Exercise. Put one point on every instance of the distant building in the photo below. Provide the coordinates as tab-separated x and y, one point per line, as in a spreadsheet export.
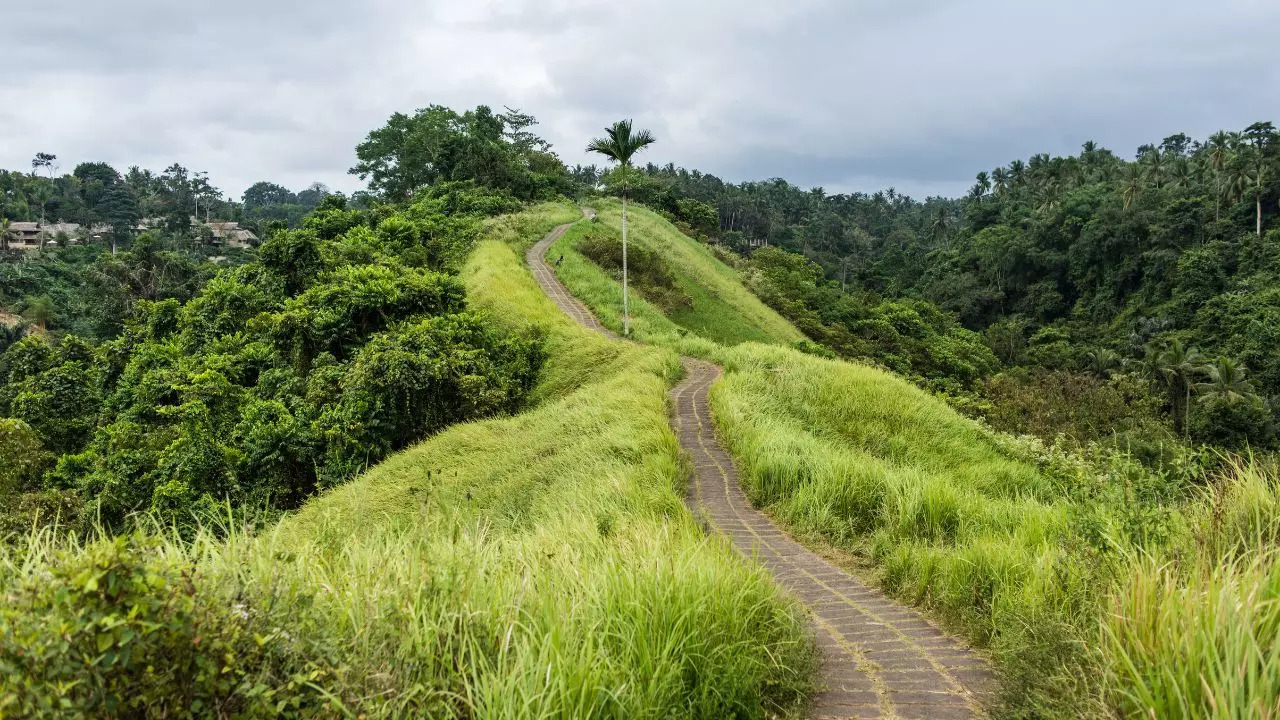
231	234
24	235
27	235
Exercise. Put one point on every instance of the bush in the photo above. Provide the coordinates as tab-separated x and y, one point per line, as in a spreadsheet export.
117	629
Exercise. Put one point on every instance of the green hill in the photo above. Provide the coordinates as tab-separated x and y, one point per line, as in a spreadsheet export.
533	566
696	297
1031	551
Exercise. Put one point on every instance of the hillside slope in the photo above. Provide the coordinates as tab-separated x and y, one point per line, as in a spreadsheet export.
560	534
952	517
534	566
705	299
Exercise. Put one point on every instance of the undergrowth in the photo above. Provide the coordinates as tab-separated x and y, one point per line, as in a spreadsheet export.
535	566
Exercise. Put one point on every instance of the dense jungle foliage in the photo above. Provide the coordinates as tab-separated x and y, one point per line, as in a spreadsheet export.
1148	287
136	375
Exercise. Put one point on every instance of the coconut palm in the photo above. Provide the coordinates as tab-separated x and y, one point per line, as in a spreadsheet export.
620	145
1180	172
1218	155
982	186
1101	362
1132	184
1017	172
1179	365
1000	178
1156	165
1227	384
6	233
1245	176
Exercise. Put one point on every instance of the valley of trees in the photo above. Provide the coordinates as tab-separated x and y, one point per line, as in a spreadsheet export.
1150	287
138	376
1126	312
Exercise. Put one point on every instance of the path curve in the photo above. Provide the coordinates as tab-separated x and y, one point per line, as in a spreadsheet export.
880	659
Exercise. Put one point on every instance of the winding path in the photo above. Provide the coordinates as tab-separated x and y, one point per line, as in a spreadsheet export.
880	659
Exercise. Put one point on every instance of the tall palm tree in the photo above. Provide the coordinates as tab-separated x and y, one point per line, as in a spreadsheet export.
620	144
940	225
1000	178
1218	155
1180	172
982	185
42	194
1245	175
1227	383
1132	184
1155	162
1179	365
1257	173
6	233
1017	172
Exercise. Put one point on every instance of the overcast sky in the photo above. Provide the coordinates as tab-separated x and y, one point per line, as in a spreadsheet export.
846	94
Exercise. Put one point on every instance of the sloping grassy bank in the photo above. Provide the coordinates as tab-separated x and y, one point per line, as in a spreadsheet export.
1101	589
874	465
537	566
714	305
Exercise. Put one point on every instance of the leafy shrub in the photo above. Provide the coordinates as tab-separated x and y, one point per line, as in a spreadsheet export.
341	344
117	629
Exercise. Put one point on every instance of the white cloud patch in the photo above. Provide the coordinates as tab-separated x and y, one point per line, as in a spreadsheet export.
849	95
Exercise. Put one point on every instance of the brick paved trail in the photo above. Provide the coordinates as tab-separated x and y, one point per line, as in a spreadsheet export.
879	658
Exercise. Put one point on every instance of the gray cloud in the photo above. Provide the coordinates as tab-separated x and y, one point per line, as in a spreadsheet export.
920	94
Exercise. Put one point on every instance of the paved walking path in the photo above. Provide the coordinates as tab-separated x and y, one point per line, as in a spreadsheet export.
879	658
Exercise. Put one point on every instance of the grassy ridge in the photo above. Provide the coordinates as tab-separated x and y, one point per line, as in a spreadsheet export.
721	309
1103	591
876	466
537	566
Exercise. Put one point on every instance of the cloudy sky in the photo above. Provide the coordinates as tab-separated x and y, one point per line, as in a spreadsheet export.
847	94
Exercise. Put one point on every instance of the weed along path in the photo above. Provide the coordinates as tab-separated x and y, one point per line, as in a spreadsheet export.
880	659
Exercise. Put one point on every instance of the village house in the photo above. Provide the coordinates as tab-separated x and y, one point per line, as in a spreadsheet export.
231	234
27	235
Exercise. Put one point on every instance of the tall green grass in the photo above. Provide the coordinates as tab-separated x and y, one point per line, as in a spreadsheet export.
1199	637
870	463
1102	590
536	566
720	310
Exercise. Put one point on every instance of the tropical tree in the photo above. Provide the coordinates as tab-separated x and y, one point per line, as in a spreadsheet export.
40	311
1132	185
42	194
1000	178
1101	362
1264	139
1218	155
1180	172
982	186
1227	384
1156	166
1178	366
620	144
6	234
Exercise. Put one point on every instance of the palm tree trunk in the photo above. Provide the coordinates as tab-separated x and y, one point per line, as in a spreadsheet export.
1217	206
626	309
1186	410
1258	201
